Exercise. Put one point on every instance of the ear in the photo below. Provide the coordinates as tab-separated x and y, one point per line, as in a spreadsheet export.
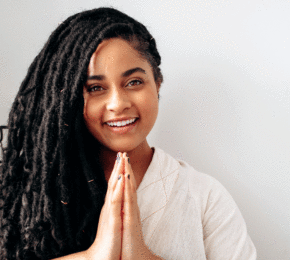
158	85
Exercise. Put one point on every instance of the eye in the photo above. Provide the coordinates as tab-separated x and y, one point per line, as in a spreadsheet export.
134	82
95	88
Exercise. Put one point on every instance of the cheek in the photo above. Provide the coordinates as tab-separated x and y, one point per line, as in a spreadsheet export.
150	106
92	112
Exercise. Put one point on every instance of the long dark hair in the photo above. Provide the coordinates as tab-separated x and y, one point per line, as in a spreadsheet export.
52	183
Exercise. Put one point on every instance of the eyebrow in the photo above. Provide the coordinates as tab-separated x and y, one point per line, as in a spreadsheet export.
131	71
124	74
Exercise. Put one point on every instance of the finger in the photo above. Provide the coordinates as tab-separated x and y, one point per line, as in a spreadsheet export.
127	205
117	196
130	197
129	171
114	169
118	169
115	174
132	187
110	181
111	211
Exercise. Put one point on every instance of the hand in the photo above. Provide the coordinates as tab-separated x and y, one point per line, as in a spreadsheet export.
133	245
107	244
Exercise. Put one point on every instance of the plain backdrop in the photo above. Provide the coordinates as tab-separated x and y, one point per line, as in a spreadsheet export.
225	100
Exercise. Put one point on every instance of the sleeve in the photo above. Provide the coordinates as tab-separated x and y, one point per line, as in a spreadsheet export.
225	231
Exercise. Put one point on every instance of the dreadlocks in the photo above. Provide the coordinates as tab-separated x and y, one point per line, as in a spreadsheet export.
52	183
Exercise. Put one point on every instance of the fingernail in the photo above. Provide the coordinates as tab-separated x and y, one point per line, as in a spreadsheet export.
129	176
118	158
128	160
119	177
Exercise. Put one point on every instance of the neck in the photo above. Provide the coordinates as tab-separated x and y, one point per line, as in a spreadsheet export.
140	158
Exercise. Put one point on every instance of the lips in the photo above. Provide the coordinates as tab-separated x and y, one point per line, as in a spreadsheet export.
121	130
121	123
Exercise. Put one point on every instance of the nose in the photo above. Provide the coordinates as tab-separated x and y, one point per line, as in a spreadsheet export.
118	101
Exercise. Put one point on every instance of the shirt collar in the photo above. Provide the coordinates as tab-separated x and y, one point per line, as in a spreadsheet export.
155	188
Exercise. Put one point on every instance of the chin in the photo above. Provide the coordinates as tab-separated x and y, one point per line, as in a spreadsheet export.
119	148
127	146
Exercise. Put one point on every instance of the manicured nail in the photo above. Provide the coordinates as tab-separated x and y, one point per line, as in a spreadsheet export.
118	158
119	177
129	176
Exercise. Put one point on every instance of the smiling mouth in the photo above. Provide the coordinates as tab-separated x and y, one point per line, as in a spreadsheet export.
122	123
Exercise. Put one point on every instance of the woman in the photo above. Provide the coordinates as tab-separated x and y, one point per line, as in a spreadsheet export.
67	193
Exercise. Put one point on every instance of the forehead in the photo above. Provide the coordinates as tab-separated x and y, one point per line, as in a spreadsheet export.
115	54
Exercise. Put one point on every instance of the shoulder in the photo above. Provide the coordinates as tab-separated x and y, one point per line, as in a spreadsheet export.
208	200
189	179
191	176
196	180
204	189
202	183
199	186
214	200
205	192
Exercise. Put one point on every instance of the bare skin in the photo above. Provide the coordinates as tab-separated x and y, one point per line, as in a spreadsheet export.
107	244
119	234
120	86
140	159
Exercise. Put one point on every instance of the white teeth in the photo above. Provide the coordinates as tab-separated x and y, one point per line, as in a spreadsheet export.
122	123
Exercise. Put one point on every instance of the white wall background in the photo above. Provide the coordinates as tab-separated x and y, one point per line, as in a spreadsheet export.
225	101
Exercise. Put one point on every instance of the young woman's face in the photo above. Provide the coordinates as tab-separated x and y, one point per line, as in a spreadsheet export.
120	96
